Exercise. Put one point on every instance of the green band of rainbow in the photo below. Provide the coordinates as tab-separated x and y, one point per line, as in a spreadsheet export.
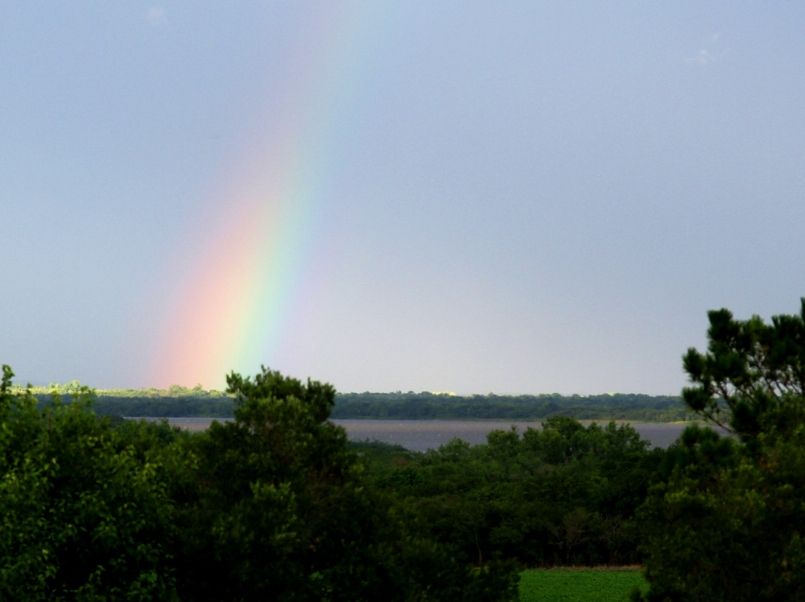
229	312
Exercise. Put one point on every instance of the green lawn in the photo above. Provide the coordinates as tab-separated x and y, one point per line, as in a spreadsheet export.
579	585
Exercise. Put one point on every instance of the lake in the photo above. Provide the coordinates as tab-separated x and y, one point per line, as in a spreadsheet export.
421	435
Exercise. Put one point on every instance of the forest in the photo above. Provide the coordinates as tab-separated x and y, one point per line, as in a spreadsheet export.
179	401
278	505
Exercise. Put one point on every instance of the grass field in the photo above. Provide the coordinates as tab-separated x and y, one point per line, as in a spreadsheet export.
579	585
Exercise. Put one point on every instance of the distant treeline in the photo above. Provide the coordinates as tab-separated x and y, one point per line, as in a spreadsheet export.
410	406
159	406
619	406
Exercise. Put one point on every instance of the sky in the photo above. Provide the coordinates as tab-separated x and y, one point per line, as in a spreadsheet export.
506	197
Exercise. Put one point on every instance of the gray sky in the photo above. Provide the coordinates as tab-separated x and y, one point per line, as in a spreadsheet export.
509	197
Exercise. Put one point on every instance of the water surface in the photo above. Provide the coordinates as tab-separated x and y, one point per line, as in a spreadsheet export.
421	435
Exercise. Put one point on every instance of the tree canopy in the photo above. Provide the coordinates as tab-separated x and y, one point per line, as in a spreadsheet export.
725	521
751	379
270	506
278	505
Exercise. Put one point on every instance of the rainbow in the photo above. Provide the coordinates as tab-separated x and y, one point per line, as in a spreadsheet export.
260	230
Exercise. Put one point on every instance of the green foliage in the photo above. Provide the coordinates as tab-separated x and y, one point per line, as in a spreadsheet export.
278	513
511	407
284	514
726	522
172	392
564	494
751	380
159	403
183	402
579	585
81	517
163	407
270	506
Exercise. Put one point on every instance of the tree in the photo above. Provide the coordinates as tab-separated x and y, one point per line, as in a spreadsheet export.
562	494
271	506
283	513
751	380
81	516
727	521
279	510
